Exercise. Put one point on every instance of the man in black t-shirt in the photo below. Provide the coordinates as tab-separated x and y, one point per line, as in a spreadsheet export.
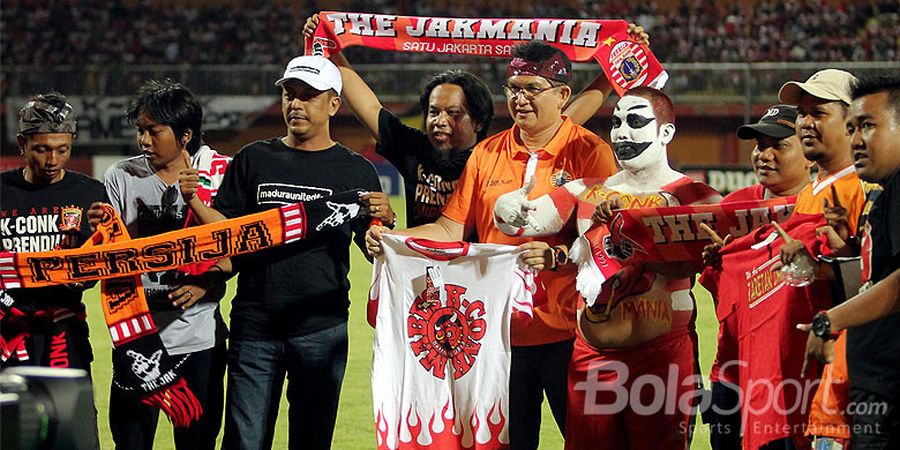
457	109
43	207
873	317
291	308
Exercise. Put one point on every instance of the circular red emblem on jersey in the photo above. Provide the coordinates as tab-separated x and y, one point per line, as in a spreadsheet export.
446	337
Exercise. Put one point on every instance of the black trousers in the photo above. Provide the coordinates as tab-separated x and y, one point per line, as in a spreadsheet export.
724	417
133	424
534	371
876	421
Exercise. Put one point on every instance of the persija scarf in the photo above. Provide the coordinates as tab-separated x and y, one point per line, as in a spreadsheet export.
141	364
626	64
111	256
668	235
170	250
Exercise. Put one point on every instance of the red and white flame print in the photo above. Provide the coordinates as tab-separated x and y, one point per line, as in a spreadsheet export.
445	429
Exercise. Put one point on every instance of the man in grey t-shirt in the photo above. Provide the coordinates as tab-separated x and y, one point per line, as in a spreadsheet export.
145	191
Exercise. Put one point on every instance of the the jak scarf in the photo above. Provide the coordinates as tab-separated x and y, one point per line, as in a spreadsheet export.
667	235
626	64
141	364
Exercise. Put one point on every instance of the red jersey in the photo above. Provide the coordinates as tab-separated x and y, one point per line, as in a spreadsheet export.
776	398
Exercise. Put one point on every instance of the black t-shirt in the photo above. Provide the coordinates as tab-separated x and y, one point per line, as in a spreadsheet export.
429	176
302	287
873	350
30	220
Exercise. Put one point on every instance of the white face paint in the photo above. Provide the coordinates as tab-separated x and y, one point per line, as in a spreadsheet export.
637	138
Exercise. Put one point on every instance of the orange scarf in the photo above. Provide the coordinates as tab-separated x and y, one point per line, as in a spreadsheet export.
140	361
141	364
170	250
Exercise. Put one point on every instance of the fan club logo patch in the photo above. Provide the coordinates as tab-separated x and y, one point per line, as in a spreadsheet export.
617	244
70	218
446	336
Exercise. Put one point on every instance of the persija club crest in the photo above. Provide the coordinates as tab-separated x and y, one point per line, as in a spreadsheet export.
446	335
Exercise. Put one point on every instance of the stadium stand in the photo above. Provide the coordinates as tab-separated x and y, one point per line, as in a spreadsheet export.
264	32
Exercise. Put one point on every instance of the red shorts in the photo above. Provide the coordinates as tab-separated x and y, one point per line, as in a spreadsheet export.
641	397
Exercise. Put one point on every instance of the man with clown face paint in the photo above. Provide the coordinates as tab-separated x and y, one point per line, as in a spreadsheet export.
647	333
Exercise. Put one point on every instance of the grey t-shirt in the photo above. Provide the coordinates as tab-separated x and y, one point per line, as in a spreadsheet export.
149	207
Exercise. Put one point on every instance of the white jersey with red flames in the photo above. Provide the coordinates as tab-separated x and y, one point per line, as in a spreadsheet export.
440	371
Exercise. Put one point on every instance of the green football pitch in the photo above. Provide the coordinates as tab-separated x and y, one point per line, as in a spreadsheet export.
355	423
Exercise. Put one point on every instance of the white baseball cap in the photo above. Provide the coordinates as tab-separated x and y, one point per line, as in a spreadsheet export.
828	84
316	71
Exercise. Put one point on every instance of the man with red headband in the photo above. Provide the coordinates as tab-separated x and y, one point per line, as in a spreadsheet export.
633	369
544	149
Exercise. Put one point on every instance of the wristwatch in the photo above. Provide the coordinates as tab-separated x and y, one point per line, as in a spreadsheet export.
821	326
560	257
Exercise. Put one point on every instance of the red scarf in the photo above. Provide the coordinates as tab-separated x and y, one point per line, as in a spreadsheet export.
626	64
668	234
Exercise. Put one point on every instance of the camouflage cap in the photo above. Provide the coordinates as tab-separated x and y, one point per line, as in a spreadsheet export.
48	113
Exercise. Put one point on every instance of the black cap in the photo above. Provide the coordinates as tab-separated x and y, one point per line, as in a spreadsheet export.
777	122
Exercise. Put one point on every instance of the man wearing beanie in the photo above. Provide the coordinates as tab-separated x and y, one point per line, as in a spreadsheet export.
43	207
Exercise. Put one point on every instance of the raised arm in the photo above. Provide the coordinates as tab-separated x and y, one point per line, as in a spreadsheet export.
356	93
189	184
584	105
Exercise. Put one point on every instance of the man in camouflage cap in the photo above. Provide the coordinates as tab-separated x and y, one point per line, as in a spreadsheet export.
42	208
46	131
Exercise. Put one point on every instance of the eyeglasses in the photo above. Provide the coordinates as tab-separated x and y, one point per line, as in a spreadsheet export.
528	92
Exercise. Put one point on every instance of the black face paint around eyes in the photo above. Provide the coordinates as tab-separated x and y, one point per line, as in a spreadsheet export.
616	122
628	150
636	121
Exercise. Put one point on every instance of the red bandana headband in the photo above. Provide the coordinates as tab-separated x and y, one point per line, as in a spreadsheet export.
556	68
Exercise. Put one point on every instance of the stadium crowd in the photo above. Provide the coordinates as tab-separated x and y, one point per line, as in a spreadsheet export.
283	213
155	32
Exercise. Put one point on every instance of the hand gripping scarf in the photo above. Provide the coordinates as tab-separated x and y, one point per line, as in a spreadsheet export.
667	235
626	64
141	363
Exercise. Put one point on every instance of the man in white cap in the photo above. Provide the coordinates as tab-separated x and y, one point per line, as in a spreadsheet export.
822	104
291	307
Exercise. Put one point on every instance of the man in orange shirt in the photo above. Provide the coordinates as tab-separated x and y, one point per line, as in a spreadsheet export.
547	149
871	317
650	331
822	103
